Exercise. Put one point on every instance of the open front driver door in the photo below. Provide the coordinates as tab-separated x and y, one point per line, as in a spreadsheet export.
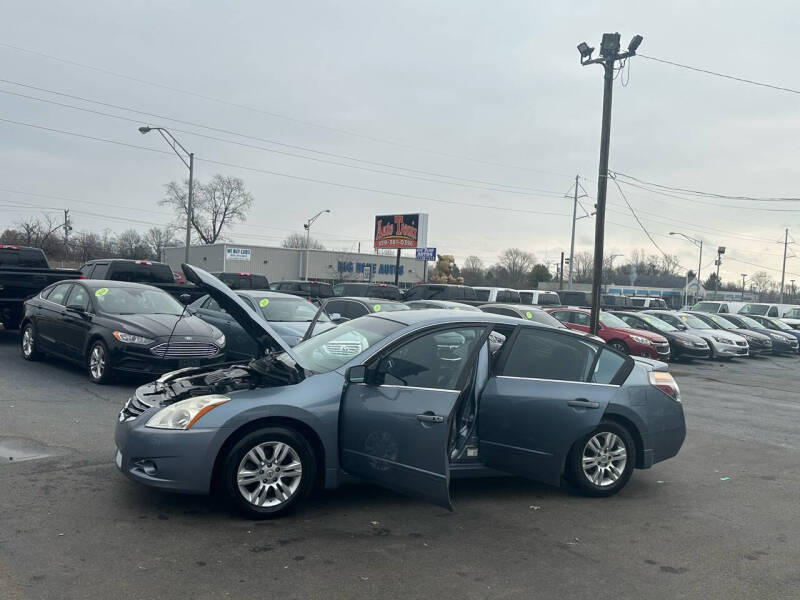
396	415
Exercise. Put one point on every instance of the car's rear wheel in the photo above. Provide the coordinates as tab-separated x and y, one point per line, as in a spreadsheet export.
268	471
28	344
98	363
619	346
602	462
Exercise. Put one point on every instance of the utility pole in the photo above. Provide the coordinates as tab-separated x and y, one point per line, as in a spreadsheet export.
67	229
744	275
572	239
609	55
783	269
792	282
561	270
397	269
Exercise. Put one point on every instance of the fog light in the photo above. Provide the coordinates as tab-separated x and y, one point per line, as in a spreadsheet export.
146	465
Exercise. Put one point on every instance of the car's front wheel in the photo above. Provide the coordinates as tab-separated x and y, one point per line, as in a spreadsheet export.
98	363
268	471
619	346
602	462
28	343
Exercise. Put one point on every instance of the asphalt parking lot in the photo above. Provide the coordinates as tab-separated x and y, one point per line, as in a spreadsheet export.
718	521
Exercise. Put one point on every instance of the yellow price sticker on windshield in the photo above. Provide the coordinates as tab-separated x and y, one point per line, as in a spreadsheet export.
377	308
529	315
101	292
263	302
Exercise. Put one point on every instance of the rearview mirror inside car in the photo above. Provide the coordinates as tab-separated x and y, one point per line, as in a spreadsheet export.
357	374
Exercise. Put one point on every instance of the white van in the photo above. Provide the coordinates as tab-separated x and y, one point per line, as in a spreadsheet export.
541	297
764	310
497	294
710	306
654	303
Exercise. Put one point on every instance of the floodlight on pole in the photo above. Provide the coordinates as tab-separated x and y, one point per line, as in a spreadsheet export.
609	55
307	226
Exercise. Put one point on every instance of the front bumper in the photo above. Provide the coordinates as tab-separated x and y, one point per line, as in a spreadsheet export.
690	351
788	347
728	349
175	460
131	358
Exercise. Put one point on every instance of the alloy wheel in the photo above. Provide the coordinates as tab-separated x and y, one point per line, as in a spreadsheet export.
97	362
27	341
269	474
604	458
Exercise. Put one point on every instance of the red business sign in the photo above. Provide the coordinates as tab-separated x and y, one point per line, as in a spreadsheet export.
401	231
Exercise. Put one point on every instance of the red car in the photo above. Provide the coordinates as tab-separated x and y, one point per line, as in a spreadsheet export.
616	333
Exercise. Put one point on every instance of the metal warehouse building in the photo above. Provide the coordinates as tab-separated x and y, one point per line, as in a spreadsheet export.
289	263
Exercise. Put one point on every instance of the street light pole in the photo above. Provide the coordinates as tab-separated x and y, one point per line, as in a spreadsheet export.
609	55
572	239
187	160
307	226
718	262
743	277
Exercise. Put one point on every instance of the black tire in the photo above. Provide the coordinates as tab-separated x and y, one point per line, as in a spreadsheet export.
581	479
619	346
33	353
272	481
105	373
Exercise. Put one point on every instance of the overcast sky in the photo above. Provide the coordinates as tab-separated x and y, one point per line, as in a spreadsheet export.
484	91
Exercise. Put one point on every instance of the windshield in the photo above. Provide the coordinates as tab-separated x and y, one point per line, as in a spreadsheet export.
288	310
135	301
610	320
389	306
693	322
750	322
706	307
754	309
658	323
333	348
723	323
544	318
778	323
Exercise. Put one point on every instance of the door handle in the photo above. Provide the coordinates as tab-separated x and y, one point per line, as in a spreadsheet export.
583	403
429	417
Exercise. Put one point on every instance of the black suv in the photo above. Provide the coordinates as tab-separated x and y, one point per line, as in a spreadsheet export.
243	281
311	290
368	290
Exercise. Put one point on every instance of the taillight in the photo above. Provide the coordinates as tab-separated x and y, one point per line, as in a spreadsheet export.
666	383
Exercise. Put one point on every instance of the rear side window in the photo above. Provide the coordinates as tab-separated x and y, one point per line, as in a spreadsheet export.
608	365
78	297
87	270
580	318
469	294
542	354
31	258
59	293
9	257
100	270
526	297
140	272
259	282
773	312
638	301
482	295
561	315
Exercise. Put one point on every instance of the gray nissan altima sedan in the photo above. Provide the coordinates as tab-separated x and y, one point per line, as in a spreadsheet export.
407	400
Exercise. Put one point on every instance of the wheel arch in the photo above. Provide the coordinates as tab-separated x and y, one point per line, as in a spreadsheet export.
308	432
633	429
620	341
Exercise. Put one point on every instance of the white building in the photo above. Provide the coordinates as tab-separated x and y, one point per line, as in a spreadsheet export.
289	263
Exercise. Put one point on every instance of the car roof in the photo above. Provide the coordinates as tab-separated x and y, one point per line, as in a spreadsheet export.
435	316
265	294
363	299
514	306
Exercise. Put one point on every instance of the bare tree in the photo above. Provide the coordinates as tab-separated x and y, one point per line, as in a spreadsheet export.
582	269
87	246
298	240
761	283
130	244
517	264
216	206
473	270
158	238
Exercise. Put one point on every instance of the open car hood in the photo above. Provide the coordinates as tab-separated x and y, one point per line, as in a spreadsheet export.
265	337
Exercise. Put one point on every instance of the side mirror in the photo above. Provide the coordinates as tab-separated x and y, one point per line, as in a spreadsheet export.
335	317
185	298
357	374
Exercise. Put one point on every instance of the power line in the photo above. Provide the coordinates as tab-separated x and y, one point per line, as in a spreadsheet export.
723	75
264	140
705	194
290	176
270	113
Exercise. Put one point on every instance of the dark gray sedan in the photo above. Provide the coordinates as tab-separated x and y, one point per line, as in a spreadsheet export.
408	400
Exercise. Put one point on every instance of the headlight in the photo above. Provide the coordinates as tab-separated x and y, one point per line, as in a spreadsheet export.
721	339
641	340
220	341
184	414
776	337
127	338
